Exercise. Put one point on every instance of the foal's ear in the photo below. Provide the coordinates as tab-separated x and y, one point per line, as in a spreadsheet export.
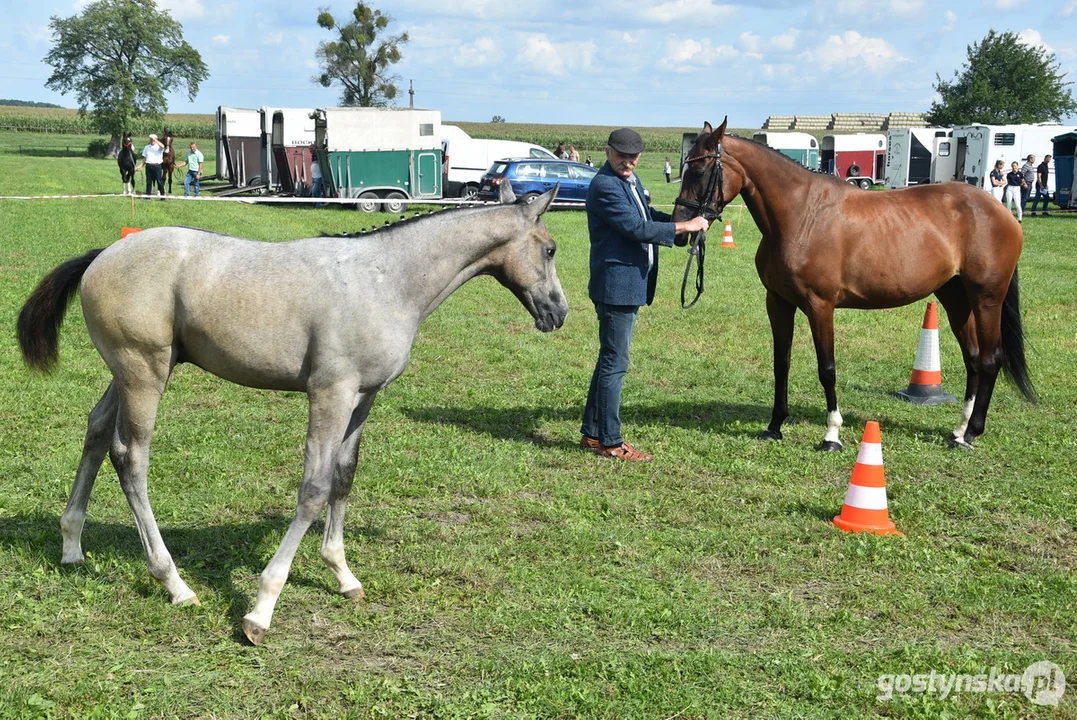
707	129
542	203
505	195
715	138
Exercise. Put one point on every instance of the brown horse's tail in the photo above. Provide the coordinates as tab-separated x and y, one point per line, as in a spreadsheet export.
43	314
1013	341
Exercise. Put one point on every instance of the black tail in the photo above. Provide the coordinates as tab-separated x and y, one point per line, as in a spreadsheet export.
43	314
1013	342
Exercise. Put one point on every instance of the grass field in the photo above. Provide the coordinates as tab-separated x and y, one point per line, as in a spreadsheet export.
508	573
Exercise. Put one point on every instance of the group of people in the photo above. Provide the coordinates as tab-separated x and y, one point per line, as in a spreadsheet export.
153	156
1015	187
570	154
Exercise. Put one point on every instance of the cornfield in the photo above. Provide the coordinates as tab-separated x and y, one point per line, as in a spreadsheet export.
68	122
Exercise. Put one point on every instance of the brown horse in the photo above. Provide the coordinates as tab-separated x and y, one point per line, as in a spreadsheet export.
827	245
168	158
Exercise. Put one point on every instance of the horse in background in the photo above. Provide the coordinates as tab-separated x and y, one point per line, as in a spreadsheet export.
827	244
168	158
126	162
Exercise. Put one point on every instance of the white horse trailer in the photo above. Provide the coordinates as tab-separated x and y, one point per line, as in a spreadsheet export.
287	135
912	155
239	145
979	146
798	146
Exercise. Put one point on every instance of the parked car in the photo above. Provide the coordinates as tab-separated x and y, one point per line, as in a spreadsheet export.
530	177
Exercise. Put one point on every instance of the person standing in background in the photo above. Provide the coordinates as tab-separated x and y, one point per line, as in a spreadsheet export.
573	154
668	169
315	176
1028	173
1043	174
1015	181
998	181
152	157
193	163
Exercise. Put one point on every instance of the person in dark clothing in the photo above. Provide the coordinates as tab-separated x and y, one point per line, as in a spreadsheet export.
624	231
1043	172
1015	182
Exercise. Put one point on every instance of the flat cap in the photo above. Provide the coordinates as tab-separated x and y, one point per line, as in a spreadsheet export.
152	136
626	141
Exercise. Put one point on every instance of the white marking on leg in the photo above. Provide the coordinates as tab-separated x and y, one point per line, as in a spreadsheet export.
833	427
966	413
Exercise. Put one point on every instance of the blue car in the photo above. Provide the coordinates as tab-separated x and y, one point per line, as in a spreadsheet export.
530	177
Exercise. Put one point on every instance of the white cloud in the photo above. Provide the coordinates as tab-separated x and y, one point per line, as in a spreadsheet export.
542	54
951	20
688	55
221	40
698	11
787	40
1069	9
874	9
1032	38
484	51
749	41
36	34
852	52
183	10
273	38
1004	4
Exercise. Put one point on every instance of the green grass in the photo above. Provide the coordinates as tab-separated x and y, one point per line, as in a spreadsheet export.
508	574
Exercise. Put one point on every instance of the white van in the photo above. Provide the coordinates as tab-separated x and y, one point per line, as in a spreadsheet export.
979	146
466	159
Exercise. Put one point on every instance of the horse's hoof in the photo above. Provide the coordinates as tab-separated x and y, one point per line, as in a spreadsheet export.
829	446
769	434
356	595
956	442
255	633
193	600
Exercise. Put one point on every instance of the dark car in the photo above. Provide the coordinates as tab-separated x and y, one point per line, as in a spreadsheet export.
530	177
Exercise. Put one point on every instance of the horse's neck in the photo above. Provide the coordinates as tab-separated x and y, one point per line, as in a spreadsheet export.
430	258
770	182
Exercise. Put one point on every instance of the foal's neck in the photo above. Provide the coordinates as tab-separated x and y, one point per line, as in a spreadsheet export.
771	182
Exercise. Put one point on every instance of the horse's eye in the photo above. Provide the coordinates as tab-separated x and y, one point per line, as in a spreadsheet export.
550	251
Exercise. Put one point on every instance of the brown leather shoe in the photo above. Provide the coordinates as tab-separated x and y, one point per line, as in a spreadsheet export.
624	451
589	443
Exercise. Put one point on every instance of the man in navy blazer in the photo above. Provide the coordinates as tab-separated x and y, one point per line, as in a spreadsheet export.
625	232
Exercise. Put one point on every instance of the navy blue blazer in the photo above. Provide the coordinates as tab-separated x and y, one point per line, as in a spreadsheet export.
620	240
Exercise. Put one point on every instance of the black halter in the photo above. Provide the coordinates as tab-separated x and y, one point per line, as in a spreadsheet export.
711	209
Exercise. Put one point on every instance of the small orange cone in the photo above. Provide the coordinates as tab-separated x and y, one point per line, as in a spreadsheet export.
727	235
925	386
124	232
865	508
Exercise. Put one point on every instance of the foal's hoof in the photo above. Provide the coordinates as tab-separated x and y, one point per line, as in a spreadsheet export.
829	446
356	595
193	600
769	434
255	633
956	442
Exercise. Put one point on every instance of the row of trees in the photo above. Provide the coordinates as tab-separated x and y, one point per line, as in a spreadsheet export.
120	58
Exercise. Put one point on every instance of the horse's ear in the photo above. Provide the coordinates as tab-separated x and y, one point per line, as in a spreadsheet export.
721	128
707	129
505	195
542	203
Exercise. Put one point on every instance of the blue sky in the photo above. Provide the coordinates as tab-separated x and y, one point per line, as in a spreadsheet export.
604	62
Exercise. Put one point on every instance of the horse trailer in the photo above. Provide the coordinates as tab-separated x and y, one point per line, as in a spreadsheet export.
979	146
858	158
798	146
913	154
1065	160
239	146
374	154
287	137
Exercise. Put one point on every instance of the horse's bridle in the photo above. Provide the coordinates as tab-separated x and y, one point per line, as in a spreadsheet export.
710	209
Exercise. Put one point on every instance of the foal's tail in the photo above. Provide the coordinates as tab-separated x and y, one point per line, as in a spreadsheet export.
43	314
1013	341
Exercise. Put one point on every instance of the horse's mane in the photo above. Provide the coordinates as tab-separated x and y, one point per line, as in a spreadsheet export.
405	221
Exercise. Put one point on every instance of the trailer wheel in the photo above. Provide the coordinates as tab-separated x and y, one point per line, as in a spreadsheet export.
395	202
865	184
854	170
368	202
468	191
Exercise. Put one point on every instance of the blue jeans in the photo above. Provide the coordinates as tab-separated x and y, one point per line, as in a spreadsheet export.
1041	193
602	413
316	191
154	176
191	177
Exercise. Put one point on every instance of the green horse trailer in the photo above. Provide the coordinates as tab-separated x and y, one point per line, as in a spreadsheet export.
381	157
799	146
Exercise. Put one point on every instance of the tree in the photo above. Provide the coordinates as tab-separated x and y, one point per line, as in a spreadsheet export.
120	58
1003	82
498	119
360	58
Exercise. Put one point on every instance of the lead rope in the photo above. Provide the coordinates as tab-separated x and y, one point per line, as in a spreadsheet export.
696	247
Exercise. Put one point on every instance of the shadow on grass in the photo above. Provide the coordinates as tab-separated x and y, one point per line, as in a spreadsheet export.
67	151
205	556
719	418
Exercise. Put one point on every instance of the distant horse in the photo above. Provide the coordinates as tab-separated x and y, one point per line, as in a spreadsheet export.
332	317
168	158
827	245
126	162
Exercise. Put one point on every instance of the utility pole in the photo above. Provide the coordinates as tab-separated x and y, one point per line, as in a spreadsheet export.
411	93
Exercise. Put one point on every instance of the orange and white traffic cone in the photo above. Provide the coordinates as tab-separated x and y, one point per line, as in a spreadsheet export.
727	235
124	232
925	386
865	508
